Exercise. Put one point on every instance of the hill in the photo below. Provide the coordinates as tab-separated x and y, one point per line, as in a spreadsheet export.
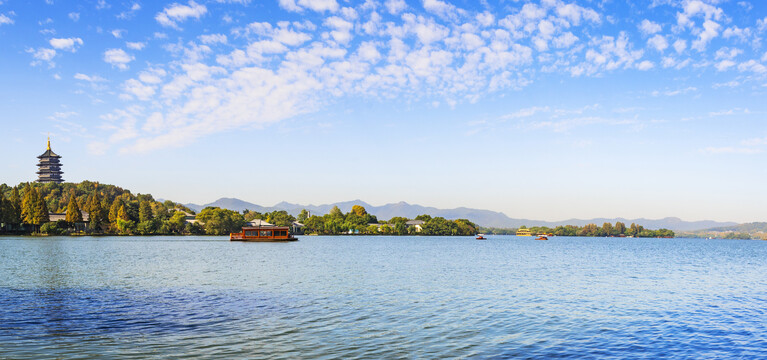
485	218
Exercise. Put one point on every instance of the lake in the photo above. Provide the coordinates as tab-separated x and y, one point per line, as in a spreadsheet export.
382	297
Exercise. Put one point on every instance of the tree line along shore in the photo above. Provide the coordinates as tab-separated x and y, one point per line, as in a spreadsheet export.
91	208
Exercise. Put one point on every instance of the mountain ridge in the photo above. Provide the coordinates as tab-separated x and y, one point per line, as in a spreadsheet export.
487	218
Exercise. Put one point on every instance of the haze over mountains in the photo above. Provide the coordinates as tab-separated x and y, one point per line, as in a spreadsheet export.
482	217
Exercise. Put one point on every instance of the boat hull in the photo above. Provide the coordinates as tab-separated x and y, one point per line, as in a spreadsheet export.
262	239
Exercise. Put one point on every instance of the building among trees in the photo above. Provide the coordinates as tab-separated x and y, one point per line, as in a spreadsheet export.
49	167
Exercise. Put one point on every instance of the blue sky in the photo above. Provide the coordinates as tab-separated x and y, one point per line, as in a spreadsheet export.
541	109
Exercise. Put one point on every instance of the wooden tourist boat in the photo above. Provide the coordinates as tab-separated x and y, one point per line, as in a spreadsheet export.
263	234
481	237
542	237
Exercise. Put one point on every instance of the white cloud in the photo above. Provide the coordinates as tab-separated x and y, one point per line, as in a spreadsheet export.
609	53
734	31
565	40
546	28
316	5
693	8
175	13
441	8
573	13
485	19
5	20
753	66
724	65
728	53
152	76
526	112
74	16
675	92
734	111
135	45
648	27
658	42
138	89
66	44
42	55
213	39
710	31
118	33
645	65
680	46
341	29
761	24
394	7
289	5
118	58
90	79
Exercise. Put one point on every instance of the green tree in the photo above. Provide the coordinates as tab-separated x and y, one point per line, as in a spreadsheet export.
145	211
400	228
73	214
302	216
397	219
14	214
359	210
423	217
607	229
335	212
250	215
620	228
589	230
114	210
122	213
4	210
219	221
280	218
177	223
28	205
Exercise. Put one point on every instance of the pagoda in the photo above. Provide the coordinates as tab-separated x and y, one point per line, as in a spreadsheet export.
50	167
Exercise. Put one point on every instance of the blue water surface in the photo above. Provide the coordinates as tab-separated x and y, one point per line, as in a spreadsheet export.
382	297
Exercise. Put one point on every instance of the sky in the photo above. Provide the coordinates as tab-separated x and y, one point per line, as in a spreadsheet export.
539	109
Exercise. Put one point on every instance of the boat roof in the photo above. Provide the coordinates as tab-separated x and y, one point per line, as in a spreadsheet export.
270	227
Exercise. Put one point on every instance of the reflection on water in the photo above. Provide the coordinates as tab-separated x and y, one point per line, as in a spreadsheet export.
379	297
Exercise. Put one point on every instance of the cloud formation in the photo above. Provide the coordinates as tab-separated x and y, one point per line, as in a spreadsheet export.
118	58
176	13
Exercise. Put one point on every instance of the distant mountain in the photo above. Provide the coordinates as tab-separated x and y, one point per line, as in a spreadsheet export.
749	228
482	217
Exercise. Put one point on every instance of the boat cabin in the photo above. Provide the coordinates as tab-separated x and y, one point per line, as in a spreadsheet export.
263	234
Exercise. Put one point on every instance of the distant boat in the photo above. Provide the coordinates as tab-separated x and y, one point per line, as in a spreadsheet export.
481	237
524	232
542	237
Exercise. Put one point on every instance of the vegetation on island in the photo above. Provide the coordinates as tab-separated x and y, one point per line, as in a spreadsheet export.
607	229
109	209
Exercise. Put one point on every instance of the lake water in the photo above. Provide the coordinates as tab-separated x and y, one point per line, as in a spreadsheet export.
382	297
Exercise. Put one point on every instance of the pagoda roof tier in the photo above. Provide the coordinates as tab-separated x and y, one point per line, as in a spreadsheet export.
48	154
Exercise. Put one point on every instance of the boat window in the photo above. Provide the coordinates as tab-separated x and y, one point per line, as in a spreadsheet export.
266	233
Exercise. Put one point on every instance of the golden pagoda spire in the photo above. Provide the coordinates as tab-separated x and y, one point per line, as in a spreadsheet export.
49	141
